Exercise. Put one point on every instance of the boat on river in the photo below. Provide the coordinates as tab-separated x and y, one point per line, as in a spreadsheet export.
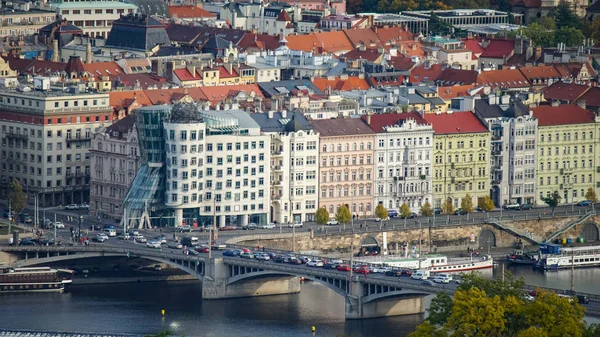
435	263
552	257
519	257
33	279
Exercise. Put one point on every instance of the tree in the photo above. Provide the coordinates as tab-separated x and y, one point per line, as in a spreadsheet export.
547	22
343	215
321	216
447	207
552	201
503	5
570	36
16	197
540	36
437	26
404	211
440	308
476	314
381	212
426	209
591	195
467	203
486	204
565	17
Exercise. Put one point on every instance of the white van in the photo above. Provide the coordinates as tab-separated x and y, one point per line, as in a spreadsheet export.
442	278
420	275
111	232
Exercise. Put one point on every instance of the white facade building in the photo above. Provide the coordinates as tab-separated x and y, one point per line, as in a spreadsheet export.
294	165
94	17
403	160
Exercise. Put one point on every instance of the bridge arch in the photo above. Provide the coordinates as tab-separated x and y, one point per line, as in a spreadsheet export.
590	232
330	285
369	245
487	238
395	293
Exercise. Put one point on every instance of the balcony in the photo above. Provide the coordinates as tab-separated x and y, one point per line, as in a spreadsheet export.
496	152
77	175
277	168
78	138
277	182
496	182
17	136
496	137
276	152
422	177
276	197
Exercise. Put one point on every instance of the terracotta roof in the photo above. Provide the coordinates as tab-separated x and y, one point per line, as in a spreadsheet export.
269	42
167	96
334	41
499	48
341	127
592	97
455	91
216	94
185	75
352	83
369	54
379	122
25	66
505	78
188	12
302	42
224	73
540	72
420	74
401	63
548	115
74	65
564	91
456	122
103	69
474	46
451	76
144	80
365	36
284	16
393	35
120	99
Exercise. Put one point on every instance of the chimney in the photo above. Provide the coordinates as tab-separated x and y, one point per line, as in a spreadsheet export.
270	114
35	39
582	103
229	67
55	50
538	53
528	53
283	113
88	53
555	103
369	119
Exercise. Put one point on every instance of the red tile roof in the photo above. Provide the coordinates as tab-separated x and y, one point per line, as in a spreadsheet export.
352	83
341	127
451	76
284	16
333	41
269	42
474	46
592	97
167	96
401	63
224	73
379	122
456	122
365	36
125	98
505	78
548	115
216	94
185	75
565	91
499	48
302	42
540	72
455	91
103	69
188	12
420	74
393	35
369	54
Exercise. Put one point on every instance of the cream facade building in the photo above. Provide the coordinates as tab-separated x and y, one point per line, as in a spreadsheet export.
346	165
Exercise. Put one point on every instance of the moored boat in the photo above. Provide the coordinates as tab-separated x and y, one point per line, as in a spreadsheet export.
522	258
33	279
437	263
556	257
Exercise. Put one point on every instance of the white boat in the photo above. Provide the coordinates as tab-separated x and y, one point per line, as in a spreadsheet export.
570	257
436	263
33	279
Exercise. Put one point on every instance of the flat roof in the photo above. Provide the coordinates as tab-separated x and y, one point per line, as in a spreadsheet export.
93	4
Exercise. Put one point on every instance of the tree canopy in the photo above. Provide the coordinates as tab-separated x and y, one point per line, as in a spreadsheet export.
343	214
552	200
426	209
381	212
321	216
591	195
448	207
486	204
467	203
404	211
17	197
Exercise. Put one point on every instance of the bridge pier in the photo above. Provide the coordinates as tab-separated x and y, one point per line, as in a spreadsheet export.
216	283
362	301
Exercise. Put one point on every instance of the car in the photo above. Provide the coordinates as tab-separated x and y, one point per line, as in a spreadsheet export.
294	260
250	226
315	263
428	283
526	207
439	279
297	223
122	236
84	206
379	219
161	238
380	270
582	299
437	211
140	239
392	213
266	226
72	207
343	267
460	211
247	255
185	228
153	244
282	259
100	238
393	272
174	244
332	222
134	232
512	205
411	216
330	265
157	267
25	242
584	203
227	228
304	259
406	272
192	252
528	297
262	257
59	225
362	270
232	252
202	249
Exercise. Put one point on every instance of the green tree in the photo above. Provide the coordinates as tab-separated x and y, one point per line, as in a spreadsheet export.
440	308
565	16
540	36
448	207
321	216
595	29
486	204
547	22
343	215
467	203
570	36
552	201
503	5
476	314
426	209
404	211
555	315
381	212
437	26
16	197
509	286
592	330
591	195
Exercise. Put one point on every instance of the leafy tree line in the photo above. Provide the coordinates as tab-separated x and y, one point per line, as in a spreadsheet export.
395	6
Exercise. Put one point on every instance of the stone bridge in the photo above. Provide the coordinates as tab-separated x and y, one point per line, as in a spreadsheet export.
229	277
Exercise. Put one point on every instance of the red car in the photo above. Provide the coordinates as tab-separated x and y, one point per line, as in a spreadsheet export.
362	270
343	267
227	228
202	249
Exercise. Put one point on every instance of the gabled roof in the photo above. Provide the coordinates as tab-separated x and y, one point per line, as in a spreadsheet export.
333	41
498	48
379	122
120	99
369	54
293	122
167	96
454	91
504	78
303	42
562	91
563	114
121	127
420	74
74	65
592	97
284	16
138	32
144	80
279	88
185	75
540	72
183	33
455	122
451	76
216	94
187	12
474	46
98	69
365	36
269	42
393	35
338	84
515	109
341	127
401	63
38	67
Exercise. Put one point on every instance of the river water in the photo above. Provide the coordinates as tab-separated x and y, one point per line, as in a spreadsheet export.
135	308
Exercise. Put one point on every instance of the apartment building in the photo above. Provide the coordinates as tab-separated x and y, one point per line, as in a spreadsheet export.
115	159
346	165
403	158
46	134
94	17
24	20
567	156
461	153
513	149
294	165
